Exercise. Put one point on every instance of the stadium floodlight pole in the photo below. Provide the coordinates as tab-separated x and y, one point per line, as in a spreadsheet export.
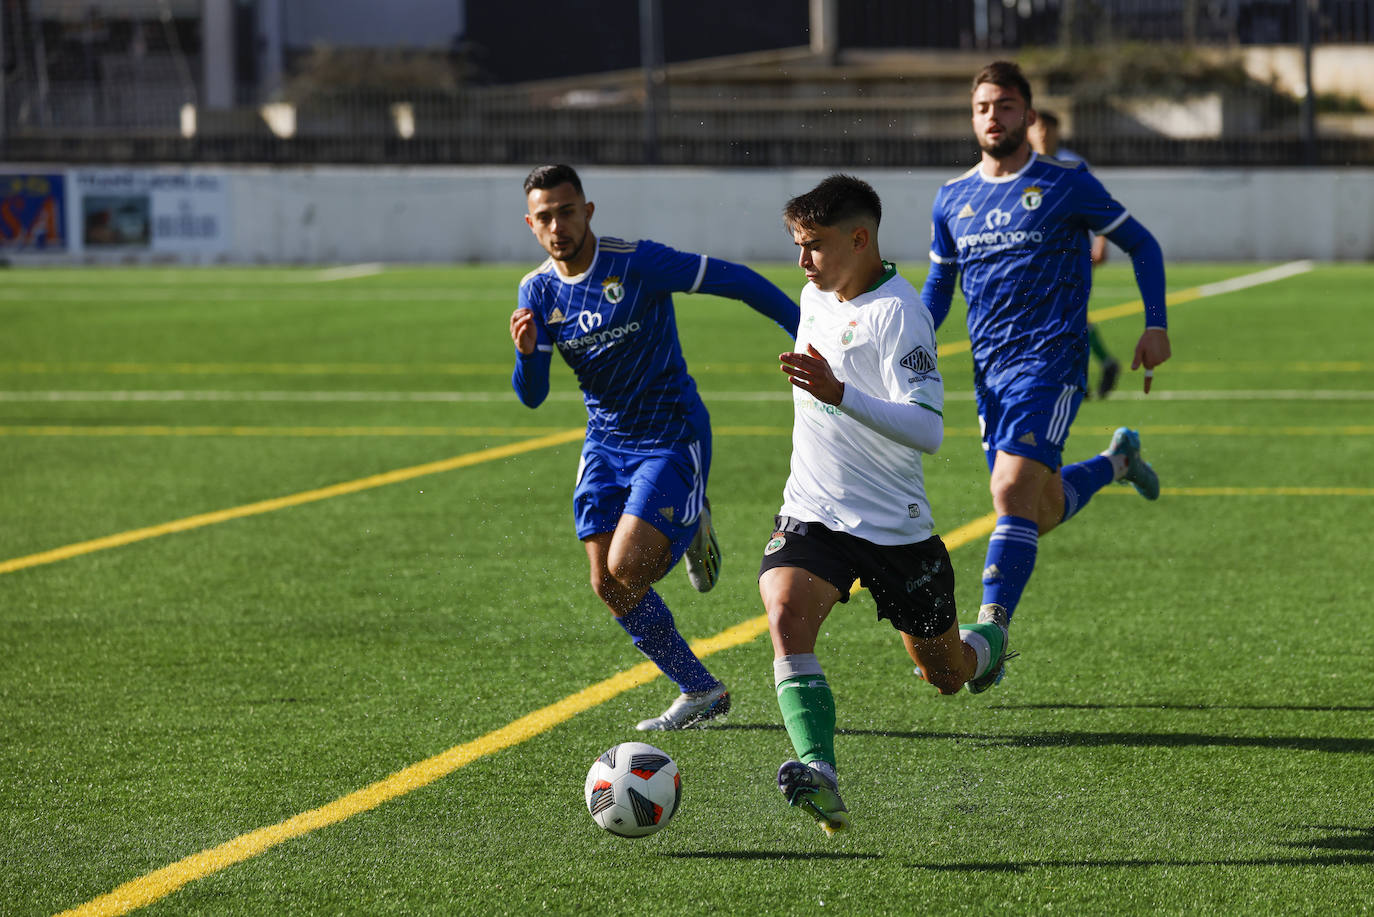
3	133
651	59
1306	9
825	30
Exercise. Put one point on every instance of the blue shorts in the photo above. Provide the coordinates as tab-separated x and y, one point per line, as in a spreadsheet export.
665	487
1030	418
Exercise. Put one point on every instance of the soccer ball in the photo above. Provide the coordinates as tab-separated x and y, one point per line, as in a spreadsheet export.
633	789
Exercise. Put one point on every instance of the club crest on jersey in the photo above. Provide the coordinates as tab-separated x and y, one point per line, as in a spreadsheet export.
613	290
920	361
775	544
1032	197
847	337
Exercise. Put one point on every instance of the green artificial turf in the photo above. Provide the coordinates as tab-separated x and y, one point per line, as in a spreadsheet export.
1189	727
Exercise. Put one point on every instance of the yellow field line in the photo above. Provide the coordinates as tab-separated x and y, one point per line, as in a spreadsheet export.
1250	491
162	882
261	369
309	496
1223	430
208	430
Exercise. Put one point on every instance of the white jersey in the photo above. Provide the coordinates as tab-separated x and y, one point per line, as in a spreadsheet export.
846	475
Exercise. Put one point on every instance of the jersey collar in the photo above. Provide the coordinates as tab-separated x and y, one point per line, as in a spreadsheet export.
1003	179
578	278
889	271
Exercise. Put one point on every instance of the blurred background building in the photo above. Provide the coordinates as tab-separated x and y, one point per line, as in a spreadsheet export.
712	82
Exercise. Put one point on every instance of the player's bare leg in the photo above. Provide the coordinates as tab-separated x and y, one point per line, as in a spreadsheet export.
626	562
624	566
1026	488
973	655
945	661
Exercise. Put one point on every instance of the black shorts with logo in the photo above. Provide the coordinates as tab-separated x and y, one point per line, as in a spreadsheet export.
913	584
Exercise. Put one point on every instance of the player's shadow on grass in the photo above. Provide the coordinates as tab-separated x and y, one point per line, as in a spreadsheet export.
1068	739
1304	708
769	855
1357	844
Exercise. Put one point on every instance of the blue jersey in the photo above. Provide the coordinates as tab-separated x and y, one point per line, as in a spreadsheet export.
1021	243
614	325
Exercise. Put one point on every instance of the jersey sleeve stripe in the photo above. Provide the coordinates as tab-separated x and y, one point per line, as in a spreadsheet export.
701	275
933	410
940	259
548	263
1125	215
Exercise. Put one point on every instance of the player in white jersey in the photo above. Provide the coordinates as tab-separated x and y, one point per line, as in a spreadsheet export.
867	401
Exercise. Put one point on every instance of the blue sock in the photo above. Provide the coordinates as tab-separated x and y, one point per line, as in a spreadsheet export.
650	625
1011	558
1083	480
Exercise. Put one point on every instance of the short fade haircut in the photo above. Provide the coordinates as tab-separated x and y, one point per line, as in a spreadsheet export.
551	176
1005	74
837	200
1047	118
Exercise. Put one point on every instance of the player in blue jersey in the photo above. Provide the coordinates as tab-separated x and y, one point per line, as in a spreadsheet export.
606	306
1015	229
1044	139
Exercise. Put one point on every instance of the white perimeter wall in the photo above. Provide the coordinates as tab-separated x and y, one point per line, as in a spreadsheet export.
343	215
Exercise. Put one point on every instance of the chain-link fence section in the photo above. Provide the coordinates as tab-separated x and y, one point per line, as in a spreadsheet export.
768	83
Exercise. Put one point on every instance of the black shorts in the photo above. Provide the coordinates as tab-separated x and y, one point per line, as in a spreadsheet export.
913	584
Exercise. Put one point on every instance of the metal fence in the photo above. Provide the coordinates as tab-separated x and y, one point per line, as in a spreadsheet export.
1144	82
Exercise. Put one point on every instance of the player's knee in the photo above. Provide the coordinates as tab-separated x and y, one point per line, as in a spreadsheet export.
1004	489
631	576
784	617
618	596
602	584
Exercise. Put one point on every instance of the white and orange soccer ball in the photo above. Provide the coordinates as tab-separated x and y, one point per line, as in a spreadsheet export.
633	789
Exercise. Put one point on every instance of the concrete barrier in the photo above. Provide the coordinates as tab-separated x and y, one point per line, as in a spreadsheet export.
340	215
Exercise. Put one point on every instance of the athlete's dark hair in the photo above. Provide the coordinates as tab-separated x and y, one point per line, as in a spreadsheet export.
551	176
1049	118
837	200
1006	74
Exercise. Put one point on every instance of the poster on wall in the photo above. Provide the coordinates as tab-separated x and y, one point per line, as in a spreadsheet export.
33	212
151	210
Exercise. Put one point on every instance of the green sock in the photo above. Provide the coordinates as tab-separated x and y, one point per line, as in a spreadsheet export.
996	640
1099	349
808	711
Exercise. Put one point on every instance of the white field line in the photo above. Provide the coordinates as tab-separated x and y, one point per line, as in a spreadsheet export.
188	395
1245	281
347	272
